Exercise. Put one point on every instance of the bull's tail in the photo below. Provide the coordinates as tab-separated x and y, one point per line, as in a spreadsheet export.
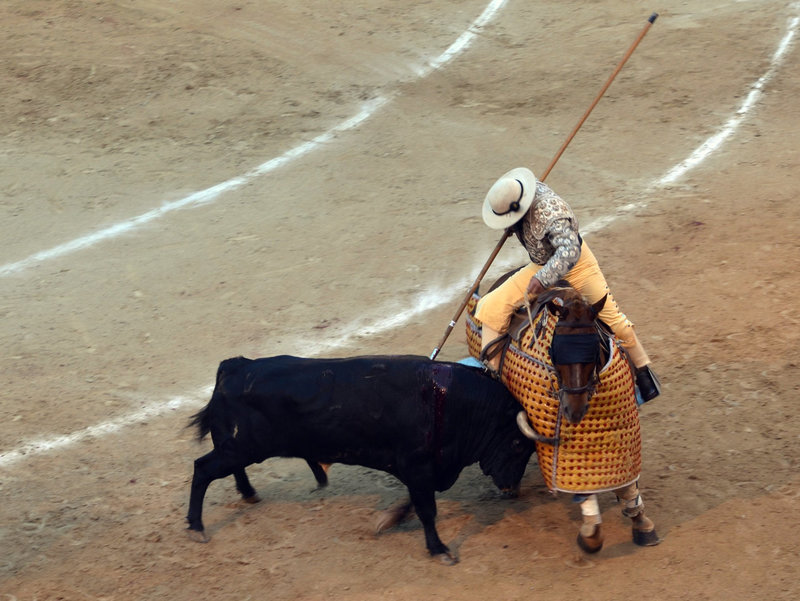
202	419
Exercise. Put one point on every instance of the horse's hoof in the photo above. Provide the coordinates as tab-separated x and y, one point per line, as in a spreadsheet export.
446	559
198	536
593	543
580	562
645	538
252	499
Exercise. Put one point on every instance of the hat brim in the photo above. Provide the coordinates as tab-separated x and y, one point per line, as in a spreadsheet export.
501	222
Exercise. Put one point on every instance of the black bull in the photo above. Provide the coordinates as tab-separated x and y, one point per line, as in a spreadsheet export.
419	420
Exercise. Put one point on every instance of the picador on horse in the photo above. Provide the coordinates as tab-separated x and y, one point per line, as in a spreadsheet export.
574	361
548	230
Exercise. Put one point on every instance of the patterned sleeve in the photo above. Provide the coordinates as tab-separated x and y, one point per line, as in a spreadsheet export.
563	235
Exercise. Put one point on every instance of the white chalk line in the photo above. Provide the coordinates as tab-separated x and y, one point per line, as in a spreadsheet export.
196	199
714	142
425	302
211	194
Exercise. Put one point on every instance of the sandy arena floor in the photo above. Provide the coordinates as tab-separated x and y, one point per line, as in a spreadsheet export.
364	241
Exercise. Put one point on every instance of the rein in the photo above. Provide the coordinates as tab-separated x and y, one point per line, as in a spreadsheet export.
588	387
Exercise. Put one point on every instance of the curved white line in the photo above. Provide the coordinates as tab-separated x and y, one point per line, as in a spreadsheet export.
715	141
465	39
196	199
211	194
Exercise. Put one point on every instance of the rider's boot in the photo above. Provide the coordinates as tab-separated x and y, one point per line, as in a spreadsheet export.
647	383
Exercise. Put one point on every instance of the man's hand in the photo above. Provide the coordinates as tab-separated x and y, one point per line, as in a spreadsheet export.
535	288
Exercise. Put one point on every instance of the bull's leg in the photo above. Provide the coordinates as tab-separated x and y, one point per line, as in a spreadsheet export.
205	470
393	516
211	466
320	471
644	530
590	536
424	501
244	487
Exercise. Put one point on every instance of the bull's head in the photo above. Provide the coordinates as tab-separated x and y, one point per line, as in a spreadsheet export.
507	462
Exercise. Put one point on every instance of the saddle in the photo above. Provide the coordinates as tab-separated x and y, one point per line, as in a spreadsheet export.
520	323
603	451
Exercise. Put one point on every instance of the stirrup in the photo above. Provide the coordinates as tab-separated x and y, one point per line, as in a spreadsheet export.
647	384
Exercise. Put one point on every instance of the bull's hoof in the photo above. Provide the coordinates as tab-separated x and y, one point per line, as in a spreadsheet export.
252	499
198	536
509	493
591	543
387	519
645	538
447	559
392	516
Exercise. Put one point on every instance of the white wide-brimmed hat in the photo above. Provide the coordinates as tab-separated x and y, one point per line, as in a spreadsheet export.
509	198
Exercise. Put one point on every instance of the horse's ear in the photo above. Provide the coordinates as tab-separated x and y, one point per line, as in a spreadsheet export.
556	306
598	306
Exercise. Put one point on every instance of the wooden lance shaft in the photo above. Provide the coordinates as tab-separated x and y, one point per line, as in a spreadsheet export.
509	231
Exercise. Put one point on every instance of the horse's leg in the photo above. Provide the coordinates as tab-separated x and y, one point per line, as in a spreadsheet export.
590	536
644	530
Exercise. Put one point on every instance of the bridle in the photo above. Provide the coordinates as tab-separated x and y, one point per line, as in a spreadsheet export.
582	344
588	388
595	356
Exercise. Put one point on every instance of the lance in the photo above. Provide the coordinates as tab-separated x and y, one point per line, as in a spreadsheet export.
546	172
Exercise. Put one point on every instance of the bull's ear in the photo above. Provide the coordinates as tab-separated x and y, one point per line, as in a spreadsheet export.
598	306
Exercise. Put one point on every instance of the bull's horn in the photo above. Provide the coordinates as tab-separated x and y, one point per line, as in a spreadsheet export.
526	428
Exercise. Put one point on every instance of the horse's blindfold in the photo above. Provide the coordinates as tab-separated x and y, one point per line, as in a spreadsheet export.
567	349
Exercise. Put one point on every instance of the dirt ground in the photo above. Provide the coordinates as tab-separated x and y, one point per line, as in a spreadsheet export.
365	243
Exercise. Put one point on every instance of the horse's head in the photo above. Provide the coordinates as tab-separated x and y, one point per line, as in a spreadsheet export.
576	349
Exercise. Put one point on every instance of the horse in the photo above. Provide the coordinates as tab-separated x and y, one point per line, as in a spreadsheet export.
576	385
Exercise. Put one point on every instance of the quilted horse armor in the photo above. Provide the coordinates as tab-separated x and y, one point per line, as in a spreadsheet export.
601	453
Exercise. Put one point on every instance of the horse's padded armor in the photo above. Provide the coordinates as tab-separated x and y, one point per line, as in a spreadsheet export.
601	453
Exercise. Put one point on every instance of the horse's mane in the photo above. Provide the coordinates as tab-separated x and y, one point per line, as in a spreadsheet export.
565	293
561	293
